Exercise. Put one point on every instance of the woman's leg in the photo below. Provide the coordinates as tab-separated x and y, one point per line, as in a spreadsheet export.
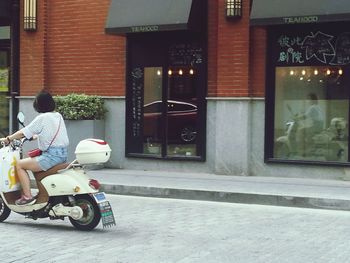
21	167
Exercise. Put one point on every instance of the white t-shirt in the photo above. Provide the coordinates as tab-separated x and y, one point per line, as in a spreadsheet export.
315	114
45	126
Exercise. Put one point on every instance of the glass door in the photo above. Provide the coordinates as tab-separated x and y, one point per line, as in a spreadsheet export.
182	112
4	92
165	96
153	110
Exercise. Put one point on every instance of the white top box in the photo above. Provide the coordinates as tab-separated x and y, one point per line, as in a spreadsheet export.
92	151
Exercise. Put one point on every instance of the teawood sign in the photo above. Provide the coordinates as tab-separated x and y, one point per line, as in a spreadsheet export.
136	29
300	19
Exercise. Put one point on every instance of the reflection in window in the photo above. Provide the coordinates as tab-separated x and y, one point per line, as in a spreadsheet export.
173	121
311	114
170	123
152	110
182	112
4	91
5	32
165	95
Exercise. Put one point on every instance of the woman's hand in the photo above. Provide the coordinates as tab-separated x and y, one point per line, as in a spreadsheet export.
299	116
5	140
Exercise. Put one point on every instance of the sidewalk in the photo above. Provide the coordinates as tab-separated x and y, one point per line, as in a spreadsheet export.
294	192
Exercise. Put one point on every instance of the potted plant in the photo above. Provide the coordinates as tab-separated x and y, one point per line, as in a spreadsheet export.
84	117
80	107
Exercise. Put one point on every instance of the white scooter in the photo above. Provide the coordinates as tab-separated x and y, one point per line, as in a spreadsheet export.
64	190
329	144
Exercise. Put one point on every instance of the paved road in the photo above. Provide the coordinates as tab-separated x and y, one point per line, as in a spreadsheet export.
155	230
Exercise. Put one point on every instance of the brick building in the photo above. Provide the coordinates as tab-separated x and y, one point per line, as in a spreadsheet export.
189	88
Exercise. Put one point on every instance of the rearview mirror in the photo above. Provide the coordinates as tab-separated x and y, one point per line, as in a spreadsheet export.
21	118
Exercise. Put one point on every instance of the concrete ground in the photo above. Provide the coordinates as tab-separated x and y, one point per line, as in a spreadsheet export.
163	230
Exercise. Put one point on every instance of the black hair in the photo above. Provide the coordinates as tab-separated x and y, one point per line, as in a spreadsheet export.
312	96
44	102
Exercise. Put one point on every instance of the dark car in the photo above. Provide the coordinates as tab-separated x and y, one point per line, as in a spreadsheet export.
181	121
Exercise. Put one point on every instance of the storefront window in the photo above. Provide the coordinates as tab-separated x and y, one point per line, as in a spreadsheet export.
152	111
4	32
182	112
311	114
4	91
307	102
165	105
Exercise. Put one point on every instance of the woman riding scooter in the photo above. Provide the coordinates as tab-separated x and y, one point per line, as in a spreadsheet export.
50	131
315	119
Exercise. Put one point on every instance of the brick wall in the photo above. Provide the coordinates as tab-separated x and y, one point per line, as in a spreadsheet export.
70	51
212	47
230	54
236	54
32	55
257	62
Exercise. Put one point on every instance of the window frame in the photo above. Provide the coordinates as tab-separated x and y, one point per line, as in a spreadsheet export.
270	93
201	107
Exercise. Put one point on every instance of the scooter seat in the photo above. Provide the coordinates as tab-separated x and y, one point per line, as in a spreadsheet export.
41	175
43	196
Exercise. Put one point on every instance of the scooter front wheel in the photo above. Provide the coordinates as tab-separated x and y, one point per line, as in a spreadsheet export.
91	213
4	210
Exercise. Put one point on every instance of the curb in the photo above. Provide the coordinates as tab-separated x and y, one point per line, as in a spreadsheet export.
230	197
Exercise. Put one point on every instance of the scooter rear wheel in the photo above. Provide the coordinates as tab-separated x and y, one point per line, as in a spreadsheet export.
91	213
4	210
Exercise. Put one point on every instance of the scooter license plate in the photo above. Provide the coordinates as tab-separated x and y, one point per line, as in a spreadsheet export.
100	197
105	209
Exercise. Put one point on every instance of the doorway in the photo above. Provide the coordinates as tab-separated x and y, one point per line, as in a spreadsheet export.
166	87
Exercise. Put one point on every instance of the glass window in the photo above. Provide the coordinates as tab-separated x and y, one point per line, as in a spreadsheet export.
4	91
307	96
171	122
311	113
165	97
152	110
4	32
182	112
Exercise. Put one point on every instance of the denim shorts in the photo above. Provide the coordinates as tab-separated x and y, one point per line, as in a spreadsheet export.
52	157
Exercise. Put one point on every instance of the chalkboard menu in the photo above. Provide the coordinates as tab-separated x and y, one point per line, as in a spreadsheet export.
185	54
342	48
137	100
319	46
135	109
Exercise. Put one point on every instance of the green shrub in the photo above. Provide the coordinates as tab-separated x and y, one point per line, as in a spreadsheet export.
80	107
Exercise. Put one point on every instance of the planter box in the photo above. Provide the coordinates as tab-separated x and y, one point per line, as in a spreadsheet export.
83	129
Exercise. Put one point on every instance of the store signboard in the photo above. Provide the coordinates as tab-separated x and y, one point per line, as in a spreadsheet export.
318	45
